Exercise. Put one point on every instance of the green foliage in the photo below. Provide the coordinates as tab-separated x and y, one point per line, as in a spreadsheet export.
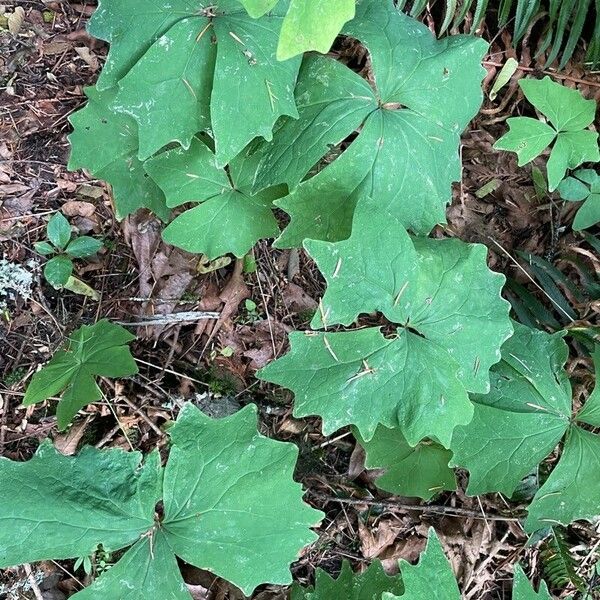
106	143
569	115
563	22
308	24
521	421
368	585
230	506
417	379
583	185
421	471
92	350
228	219
59	269
431	579
218	62
406	153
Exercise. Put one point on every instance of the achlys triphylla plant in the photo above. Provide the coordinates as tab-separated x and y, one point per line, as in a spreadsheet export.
58	271
91	351
225	501
569	116
431	578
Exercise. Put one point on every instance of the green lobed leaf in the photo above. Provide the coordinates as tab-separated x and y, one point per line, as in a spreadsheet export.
569	113
312	25
421	471
59	231
228	219
106	143
84	246
522	419
147	570
364	379
368	585
410	127
92	350
213	57
417	379
431	578
572	491
58	270
526	137
230	506
59	507
422	284
570	150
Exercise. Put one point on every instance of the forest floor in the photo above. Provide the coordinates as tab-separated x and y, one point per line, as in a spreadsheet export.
43	71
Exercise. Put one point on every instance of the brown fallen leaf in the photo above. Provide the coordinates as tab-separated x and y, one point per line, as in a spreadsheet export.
375	539
76	208
66	443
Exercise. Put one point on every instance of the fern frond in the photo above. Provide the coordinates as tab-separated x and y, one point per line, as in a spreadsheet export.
558	563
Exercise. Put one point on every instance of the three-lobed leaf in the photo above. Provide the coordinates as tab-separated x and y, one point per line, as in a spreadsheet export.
410	125
451	323
228	218
91	351
230	506
569	116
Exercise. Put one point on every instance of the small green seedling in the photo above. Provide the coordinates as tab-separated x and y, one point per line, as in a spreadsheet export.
583	185
569	116
64	248
99	350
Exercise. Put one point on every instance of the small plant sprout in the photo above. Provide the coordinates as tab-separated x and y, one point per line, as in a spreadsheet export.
63	248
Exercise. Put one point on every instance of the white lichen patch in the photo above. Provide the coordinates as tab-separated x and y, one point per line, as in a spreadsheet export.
15	281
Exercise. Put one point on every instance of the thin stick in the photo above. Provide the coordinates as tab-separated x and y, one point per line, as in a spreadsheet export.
399	507
35	588
143	362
